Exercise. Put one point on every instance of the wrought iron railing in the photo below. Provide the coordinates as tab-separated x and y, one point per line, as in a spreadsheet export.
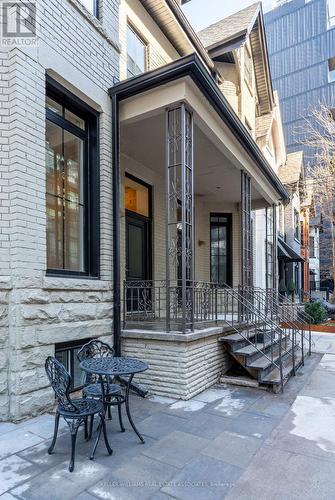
155	302
292	318
270	322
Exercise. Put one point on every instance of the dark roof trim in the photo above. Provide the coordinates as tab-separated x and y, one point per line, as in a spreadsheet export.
192	67
189	31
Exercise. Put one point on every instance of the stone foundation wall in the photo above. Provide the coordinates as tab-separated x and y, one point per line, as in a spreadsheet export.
178	368
42	315
5	289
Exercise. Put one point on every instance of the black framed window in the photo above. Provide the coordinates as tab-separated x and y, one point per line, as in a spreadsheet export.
66	353
220	247
136	53
312	247
92	6
296	225
72	184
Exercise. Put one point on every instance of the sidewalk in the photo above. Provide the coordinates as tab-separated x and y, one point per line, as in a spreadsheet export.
235	443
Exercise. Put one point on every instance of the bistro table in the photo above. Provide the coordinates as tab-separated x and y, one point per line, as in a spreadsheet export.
111	367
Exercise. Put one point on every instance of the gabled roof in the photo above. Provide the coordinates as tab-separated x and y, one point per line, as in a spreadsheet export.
231	33
263	126
222	31
291	173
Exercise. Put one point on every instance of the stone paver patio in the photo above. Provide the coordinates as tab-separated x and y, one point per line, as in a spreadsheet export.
228	442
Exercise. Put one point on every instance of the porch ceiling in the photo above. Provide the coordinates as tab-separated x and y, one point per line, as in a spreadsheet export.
186	80
215	176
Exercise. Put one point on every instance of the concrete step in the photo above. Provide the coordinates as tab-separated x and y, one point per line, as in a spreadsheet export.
273	377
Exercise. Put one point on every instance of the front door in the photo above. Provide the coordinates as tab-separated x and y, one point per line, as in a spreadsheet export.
221	236
138	247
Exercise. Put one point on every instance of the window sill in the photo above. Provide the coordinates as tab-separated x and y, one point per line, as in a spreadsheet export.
96	23
70	282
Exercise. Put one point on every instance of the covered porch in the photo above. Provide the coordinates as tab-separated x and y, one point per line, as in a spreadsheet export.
188	188
188	175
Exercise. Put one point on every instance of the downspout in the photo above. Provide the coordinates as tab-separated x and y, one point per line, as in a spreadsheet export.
116	226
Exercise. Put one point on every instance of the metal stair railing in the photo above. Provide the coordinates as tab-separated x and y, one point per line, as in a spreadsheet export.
298	316
267	300
284	316
250	323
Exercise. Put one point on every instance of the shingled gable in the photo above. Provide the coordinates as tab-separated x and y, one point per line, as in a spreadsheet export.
291	174
223	37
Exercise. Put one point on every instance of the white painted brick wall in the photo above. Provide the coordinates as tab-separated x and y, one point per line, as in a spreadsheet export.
83	54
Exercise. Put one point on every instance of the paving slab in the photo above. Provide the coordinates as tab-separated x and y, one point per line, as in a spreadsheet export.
160	424
322	384
275	474
139	479
203	479
323	342
6	427
232	402
271	405
43	426
14	470
176	448
58	483
253	424
308	428
17	440
206	425
232	448
327	363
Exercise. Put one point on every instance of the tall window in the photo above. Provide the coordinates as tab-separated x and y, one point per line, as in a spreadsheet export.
91	5
71	185
136	53
269	250
220	227
296	224
247	66
312	247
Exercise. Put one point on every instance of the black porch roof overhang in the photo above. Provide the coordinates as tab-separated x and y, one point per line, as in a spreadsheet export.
286	253
192	66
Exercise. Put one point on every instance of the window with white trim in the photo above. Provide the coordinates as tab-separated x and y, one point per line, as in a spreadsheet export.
136	53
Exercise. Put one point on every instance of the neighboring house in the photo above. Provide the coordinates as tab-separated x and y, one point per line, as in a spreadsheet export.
301	43
237	45
128	187
291	262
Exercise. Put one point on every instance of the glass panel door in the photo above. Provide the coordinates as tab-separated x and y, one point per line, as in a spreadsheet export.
220	247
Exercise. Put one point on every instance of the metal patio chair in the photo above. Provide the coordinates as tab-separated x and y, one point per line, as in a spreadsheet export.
74	411
92	384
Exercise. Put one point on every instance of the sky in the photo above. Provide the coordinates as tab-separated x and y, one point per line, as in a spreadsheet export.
201	13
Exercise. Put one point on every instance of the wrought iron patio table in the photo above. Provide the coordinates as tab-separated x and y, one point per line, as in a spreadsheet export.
114	366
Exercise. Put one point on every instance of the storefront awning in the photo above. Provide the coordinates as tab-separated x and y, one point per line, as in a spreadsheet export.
285	252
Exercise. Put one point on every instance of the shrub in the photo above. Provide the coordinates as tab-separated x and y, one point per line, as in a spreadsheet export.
317	311
282	287
290	287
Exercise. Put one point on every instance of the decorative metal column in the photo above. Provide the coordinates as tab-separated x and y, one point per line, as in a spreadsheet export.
179	218
271	246
246	230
